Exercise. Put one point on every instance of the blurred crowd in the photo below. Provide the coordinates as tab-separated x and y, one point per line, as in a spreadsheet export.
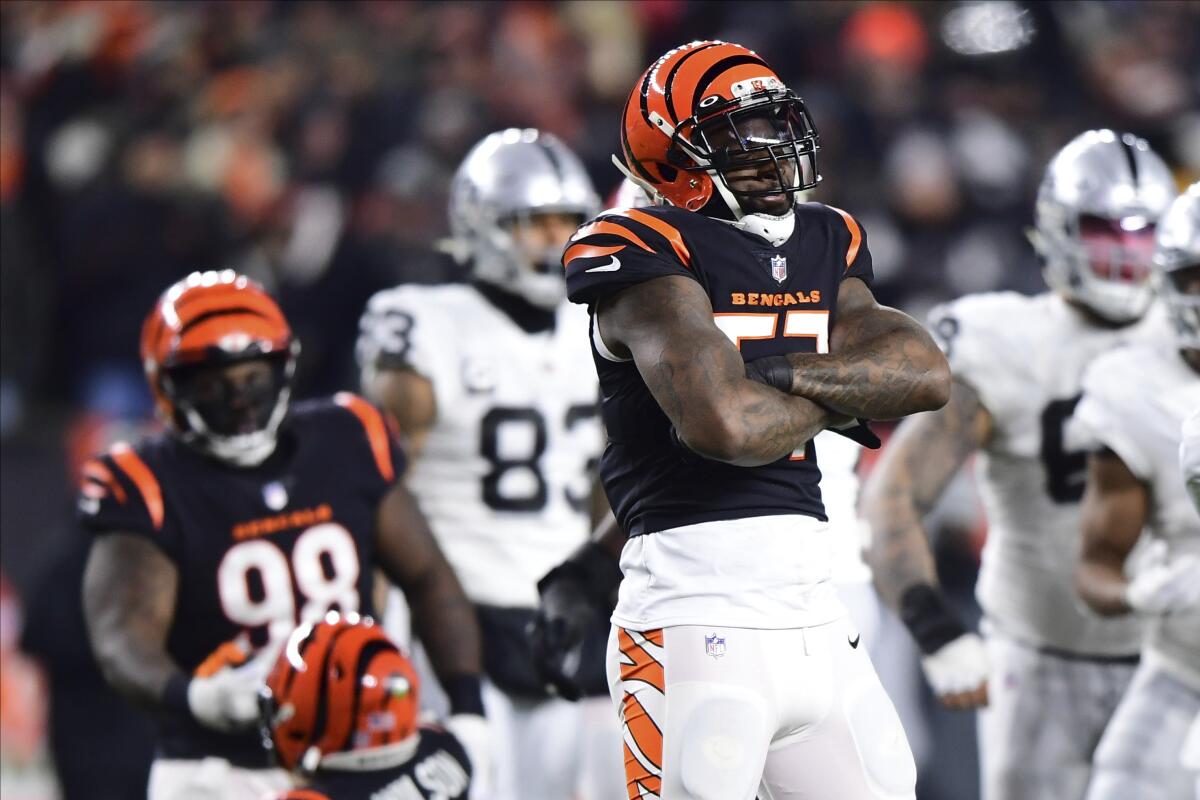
310	144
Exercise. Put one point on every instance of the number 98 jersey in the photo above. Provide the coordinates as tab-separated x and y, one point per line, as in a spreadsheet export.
1025	358
505	473
258	549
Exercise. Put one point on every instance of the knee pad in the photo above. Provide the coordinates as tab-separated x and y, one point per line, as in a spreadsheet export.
723	740
880	741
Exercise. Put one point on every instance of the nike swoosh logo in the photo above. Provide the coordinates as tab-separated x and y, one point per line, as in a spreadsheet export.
854	642
613	267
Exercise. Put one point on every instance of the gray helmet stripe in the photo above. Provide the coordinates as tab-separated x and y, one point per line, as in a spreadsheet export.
1131	157
555	163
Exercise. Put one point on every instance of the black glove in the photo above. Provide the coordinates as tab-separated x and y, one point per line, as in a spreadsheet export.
772	370
776	371
575	594
927	614
860	433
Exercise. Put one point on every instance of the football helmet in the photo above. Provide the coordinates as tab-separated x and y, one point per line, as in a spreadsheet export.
1097	208
505	180
708	109
205	323
1177	265
339	690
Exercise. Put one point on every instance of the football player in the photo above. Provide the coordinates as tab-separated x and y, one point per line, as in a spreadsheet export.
493	384
731	659
340	708
1017	364
1135	401
247	516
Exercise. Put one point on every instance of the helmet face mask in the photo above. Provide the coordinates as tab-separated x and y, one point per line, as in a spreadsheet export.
1097	208
1177	267
503	192
713	118
219	357
763	146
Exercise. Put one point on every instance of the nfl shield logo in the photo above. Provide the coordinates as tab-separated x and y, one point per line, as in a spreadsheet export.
779	268
714	645
275	496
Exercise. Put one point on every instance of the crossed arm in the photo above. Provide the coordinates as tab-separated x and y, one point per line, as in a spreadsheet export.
882	364
699	379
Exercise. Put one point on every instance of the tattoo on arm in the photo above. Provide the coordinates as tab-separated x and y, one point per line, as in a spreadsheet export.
918	463
129	593
443	617
1114	511
699	378
882	363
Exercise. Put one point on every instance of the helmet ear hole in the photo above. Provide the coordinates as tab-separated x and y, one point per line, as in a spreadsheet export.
668	172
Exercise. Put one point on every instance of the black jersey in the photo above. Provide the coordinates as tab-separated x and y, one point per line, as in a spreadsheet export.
438	770
768	300
258	548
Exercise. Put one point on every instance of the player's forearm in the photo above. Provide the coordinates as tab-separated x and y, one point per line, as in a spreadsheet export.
1102	586
891	369
445	623
129	592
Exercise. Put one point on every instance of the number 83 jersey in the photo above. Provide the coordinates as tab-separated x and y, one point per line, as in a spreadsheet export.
506	471
1025	358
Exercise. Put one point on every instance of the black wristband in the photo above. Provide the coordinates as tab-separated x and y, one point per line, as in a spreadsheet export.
775	371
929	618
463	692
175	694
593	568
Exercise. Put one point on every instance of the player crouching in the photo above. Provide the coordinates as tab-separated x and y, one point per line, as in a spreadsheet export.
340	708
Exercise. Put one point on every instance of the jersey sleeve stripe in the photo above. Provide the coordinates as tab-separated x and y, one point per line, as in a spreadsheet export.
132	465
601	226
665	229
376	428
855	236
589	251
96	471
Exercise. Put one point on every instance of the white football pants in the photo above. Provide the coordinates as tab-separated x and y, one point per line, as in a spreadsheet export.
1044	718
724	713
213	779
1139	756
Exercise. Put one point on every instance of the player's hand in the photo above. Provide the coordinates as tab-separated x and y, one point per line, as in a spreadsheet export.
471	730
1166	588
223	692
563	617
957	672
859	431
774	371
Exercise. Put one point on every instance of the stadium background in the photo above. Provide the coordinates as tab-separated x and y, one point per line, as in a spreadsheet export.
311	145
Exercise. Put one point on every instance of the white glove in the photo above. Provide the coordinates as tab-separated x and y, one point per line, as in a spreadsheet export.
227	700
472	733
958	666
1167	587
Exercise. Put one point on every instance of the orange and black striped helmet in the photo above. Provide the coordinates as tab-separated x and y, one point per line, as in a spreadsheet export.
709	108
212	320
338	688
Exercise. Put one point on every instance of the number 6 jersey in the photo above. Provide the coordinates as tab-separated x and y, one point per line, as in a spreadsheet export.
505	473
1025	357
258	549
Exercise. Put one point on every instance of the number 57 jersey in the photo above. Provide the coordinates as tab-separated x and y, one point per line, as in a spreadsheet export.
258	549
506	471
1025	358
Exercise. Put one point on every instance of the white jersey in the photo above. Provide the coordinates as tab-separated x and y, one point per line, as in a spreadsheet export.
1134	403
849	534
1189	456
1025	358
506	471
